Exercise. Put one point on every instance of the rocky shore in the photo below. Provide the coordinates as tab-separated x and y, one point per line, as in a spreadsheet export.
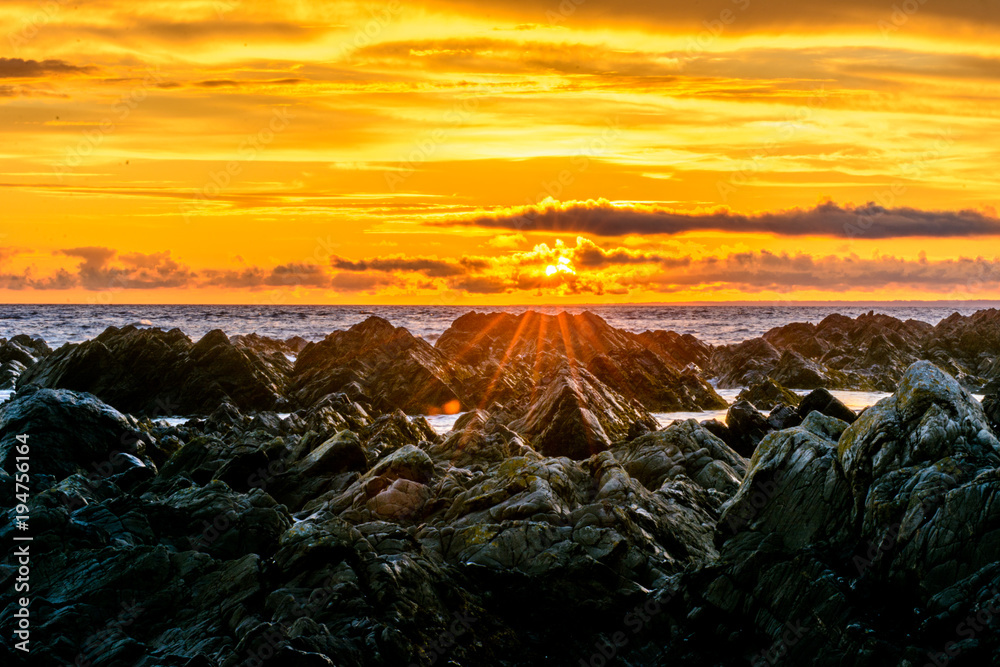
306	514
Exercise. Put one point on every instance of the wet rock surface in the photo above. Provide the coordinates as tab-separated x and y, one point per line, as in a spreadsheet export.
555	522
17	355
149	371
867	353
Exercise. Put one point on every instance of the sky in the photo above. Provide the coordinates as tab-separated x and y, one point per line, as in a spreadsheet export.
498	152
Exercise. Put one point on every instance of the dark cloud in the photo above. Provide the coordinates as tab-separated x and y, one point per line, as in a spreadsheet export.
233	83
871	221
18	68
307	275
743	15
483	285
136	271
433	268
783	272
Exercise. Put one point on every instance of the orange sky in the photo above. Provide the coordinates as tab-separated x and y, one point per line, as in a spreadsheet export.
450	151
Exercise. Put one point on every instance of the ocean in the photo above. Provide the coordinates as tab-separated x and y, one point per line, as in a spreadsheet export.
714	324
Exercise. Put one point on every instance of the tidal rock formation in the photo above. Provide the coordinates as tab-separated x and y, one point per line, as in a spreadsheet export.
508	356
826	403
385	366
17	355
744	364
574	416
264	345
69	432
848	536
747	427
867	353
766	394
155	372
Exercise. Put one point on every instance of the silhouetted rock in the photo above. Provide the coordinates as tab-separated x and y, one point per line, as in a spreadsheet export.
393	368
574	416
68	432
342	536
506	356
841	526
823	401
149	371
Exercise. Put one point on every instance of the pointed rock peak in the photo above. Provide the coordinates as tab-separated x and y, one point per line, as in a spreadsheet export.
374	326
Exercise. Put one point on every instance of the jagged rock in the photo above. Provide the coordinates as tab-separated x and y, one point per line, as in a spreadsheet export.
795	371
573	417
794	489
767	394
720	431
682	350
823	401
747	426
395	369
991	406
68	432
9	372
508	355
17	355
683	448
744	364
866	544
289	348
784	416
24	349
845	525
922	464
190	378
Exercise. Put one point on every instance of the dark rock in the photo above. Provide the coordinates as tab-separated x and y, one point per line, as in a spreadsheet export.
681	350
683	448
744	364
767	394
68	432
508	356
397	370
748	427
784	416
795	371
149	371
720	431
9	372
823	401
573	417
991	406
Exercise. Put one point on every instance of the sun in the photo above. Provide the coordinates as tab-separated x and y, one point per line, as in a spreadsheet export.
562	266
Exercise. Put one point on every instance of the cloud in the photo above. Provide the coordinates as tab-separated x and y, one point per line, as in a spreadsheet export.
434	268
507	241
18	68
560	269
136	271
784	272
871	221
742	15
